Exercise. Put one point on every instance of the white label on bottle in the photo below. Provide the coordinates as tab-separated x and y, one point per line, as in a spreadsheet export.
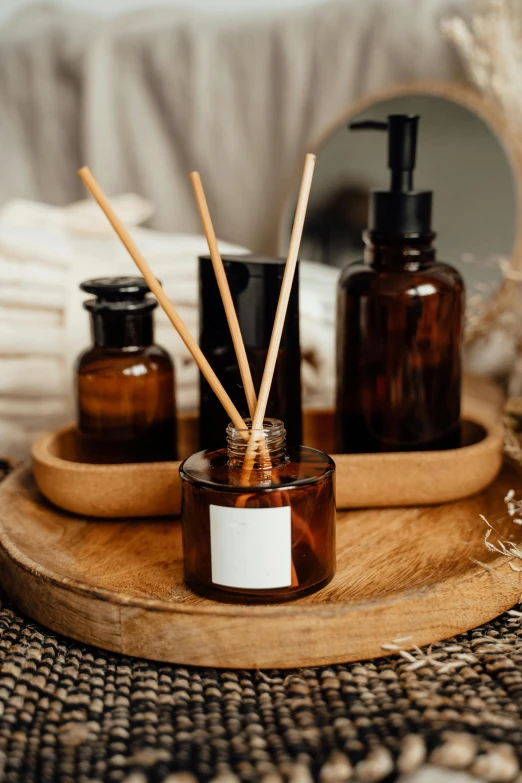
251	547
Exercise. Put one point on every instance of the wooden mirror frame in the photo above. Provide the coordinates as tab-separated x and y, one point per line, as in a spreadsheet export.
459	94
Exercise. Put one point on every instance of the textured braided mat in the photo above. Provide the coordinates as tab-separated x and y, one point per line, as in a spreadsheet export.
74	714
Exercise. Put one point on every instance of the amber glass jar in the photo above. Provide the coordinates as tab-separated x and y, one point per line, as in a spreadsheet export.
125	383
399	338
263	536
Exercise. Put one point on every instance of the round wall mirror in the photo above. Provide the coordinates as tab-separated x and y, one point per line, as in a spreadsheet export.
461	157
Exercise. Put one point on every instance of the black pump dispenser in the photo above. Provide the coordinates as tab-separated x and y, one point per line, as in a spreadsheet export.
401	209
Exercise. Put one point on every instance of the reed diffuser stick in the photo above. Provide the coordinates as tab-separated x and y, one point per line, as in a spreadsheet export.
151	280
282	306
224	290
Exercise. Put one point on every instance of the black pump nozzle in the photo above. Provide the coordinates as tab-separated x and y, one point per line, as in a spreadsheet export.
401	209
402	146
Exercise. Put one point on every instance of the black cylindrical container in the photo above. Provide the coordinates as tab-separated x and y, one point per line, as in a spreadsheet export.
255	283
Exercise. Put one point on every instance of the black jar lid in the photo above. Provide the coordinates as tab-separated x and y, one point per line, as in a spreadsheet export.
118	294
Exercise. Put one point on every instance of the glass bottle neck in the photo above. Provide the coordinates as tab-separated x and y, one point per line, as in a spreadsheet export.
406	252
271	445
122	330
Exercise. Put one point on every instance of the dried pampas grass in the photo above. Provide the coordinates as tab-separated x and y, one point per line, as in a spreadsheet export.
489	43
513	437
490	46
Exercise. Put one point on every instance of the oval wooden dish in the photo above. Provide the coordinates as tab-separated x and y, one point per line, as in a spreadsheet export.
363	480
415	574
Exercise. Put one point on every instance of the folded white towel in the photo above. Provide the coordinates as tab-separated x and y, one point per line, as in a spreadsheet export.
32	316
16	438
28	296
33	376
30	339
34	410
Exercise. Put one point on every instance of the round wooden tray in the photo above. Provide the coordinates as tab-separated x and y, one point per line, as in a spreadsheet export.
407	572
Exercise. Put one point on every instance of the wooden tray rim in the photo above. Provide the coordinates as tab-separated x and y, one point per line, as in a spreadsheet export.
40	451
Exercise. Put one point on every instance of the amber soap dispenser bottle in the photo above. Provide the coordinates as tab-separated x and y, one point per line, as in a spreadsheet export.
399	320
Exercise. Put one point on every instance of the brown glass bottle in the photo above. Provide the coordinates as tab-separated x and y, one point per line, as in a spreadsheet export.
399	336
399	320
263	537
125	383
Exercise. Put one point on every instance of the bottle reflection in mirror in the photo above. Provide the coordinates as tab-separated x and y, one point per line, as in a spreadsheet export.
333	230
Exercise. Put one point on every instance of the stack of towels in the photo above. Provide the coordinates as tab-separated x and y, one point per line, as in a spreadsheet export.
46	252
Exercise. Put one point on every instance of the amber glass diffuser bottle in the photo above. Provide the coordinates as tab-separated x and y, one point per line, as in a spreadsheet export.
399	321
125	383
261	536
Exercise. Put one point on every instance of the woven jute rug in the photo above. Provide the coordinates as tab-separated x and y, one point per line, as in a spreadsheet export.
74	714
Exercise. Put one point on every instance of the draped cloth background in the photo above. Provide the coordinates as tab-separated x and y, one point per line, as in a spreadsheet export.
148	96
